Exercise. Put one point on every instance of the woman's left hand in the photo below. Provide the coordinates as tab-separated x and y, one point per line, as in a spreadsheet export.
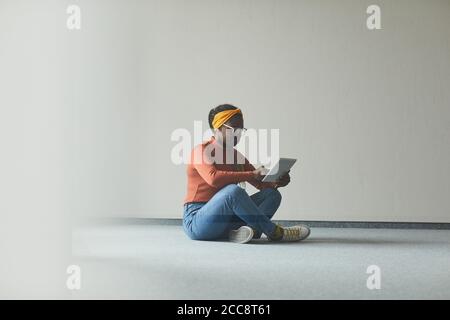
284	180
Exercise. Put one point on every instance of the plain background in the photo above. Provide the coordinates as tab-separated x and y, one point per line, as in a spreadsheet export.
86	115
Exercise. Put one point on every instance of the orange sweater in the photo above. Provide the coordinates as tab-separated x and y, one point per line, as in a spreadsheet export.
206	178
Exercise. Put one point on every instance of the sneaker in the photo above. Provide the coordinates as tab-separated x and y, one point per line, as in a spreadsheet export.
242	235
295	233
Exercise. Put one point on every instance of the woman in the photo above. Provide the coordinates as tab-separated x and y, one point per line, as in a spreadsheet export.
215	207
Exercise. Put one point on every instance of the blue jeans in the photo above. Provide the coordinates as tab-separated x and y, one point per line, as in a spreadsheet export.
230	208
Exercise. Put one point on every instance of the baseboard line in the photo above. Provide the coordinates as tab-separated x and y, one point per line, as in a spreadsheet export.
316	224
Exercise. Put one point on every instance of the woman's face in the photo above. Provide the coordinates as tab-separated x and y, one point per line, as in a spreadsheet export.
231	130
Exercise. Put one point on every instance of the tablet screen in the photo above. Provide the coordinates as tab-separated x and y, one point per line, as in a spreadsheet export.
279	169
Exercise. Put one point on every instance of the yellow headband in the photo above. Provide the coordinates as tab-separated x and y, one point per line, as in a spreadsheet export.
223	116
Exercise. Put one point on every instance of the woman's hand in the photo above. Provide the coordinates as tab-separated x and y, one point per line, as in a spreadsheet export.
284	180
259	173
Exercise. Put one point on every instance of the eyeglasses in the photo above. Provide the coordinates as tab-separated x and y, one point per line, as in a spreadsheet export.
241	130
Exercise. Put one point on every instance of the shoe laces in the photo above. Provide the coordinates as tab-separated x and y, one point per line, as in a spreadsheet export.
291	233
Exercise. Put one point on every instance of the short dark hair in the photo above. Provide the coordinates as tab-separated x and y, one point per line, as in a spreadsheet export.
218	109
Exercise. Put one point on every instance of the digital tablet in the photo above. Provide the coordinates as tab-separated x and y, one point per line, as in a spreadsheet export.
279	169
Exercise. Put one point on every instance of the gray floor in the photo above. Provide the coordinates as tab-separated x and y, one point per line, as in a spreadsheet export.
160	262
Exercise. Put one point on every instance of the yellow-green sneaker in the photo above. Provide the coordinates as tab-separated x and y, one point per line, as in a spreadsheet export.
288	234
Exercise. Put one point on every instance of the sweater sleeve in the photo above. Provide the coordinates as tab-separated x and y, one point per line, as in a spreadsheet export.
214	177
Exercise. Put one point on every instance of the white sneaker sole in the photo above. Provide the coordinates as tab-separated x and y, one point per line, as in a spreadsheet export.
242	235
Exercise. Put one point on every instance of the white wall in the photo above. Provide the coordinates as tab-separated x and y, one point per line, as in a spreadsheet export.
366	112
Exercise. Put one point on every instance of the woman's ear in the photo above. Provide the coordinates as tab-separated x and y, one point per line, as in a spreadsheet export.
218	134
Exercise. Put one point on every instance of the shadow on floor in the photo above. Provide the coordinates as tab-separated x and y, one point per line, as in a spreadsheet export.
351	241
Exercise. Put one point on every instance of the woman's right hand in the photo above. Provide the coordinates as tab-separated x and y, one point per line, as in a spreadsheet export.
259	173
